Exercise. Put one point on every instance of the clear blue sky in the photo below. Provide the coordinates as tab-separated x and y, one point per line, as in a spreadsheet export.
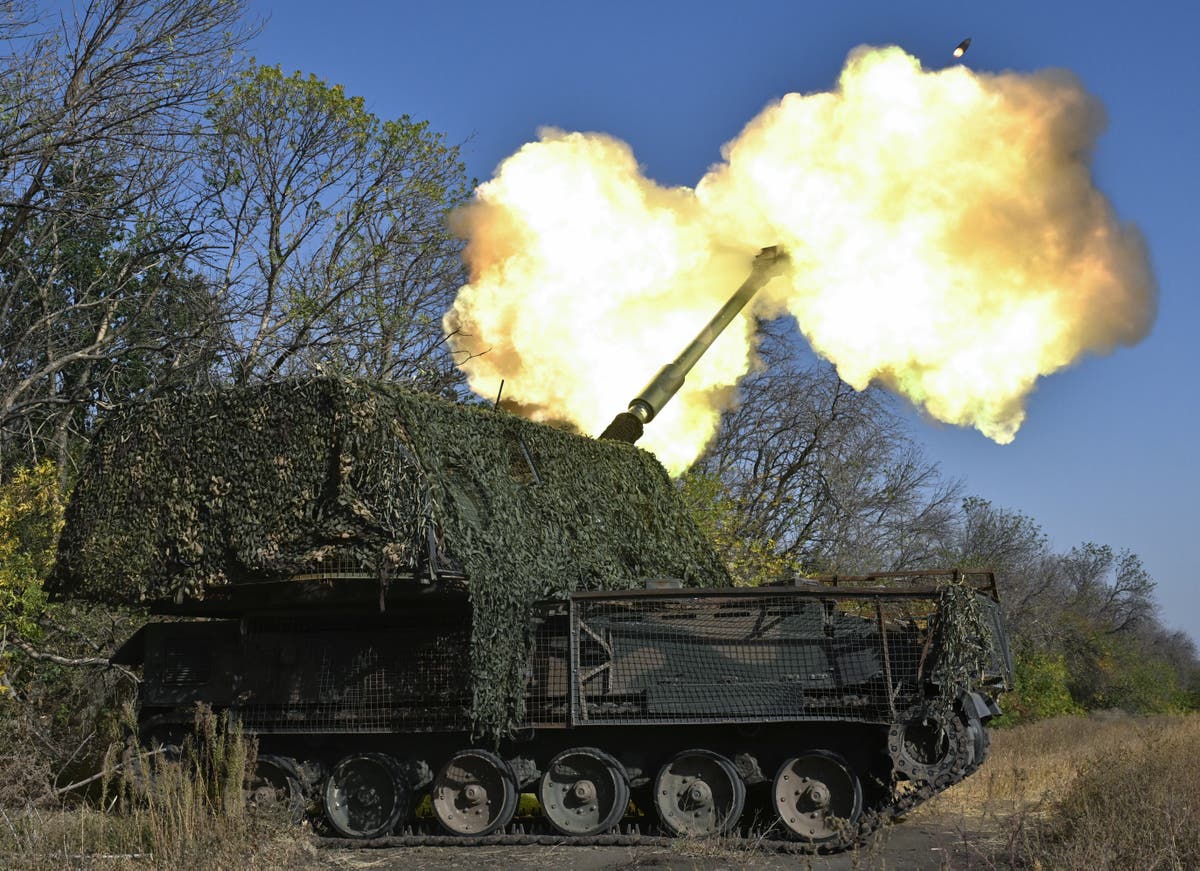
1108	452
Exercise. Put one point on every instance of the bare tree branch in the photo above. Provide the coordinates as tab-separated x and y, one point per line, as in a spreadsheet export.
76	662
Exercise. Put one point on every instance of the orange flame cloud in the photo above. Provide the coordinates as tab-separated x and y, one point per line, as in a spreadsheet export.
945	234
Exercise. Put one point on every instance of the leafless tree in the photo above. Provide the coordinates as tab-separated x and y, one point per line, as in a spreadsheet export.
98	213
825	473
335	254
1111	589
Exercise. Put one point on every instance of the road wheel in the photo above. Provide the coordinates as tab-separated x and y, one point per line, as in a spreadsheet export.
365	795
699	793
275	784
584	792
817	797
475	793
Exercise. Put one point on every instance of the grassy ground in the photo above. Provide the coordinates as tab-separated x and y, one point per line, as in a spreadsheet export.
1095	793
190	813
1106	791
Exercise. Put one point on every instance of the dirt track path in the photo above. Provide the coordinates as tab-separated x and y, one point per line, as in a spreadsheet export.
916	844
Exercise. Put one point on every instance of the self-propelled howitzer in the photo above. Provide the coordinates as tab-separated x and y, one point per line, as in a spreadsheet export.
404	597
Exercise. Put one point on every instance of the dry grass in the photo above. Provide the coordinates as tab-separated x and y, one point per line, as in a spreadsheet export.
1095	793
1099	792
188	813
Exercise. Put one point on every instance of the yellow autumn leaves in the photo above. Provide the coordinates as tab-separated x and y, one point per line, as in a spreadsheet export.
31	517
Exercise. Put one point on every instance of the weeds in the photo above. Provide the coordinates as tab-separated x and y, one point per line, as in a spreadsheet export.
1106	791
1095	793
185	812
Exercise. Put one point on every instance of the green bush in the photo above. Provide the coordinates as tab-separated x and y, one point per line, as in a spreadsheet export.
31	517
1041	689
1132	681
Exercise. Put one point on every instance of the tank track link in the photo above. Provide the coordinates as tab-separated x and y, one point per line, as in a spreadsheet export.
631	835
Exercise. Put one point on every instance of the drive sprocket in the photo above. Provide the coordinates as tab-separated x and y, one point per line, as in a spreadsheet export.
930	745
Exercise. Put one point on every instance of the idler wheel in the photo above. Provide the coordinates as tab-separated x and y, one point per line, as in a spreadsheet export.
274	783
584	792
475	793
699	793
365	795
817	796
928	747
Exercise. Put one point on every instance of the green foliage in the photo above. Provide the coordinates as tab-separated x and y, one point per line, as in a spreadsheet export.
751	561
1041	689
31	517
1123	675
336	223
87	275
1144	685
99	206
1116	672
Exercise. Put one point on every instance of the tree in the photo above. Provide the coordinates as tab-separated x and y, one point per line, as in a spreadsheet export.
824	473
335	252
751	560
111	312
1013	545
98	215
1112	590
31	517
1110	616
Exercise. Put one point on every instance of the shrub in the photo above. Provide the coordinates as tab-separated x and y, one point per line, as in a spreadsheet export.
1132	806
1041	689
31	518
187	812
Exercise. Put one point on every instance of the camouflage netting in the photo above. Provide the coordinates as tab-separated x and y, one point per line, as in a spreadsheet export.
187	493
965	637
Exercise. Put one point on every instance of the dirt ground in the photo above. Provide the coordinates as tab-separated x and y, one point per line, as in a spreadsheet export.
914	844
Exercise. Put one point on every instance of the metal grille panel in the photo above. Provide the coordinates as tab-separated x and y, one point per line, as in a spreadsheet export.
185	663
619	658
1001	665
321	678
335	567
782	656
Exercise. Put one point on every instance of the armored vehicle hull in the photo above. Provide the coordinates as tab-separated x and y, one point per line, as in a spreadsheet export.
809	710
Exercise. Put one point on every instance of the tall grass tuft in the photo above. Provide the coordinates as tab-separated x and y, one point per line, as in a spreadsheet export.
174	810
1136	805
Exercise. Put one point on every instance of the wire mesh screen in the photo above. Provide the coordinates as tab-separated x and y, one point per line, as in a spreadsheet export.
335	567
548	676
315	677
730	658
1000	658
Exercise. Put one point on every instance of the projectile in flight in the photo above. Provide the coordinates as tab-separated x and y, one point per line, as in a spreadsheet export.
961	48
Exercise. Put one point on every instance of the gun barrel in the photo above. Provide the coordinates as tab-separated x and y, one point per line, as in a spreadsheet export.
627	426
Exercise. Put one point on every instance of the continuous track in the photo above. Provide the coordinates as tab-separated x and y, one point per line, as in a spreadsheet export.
631	835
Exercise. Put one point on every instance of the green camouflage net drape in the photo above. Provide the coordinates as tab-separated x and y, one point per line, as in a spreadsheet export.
965	638
186	493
